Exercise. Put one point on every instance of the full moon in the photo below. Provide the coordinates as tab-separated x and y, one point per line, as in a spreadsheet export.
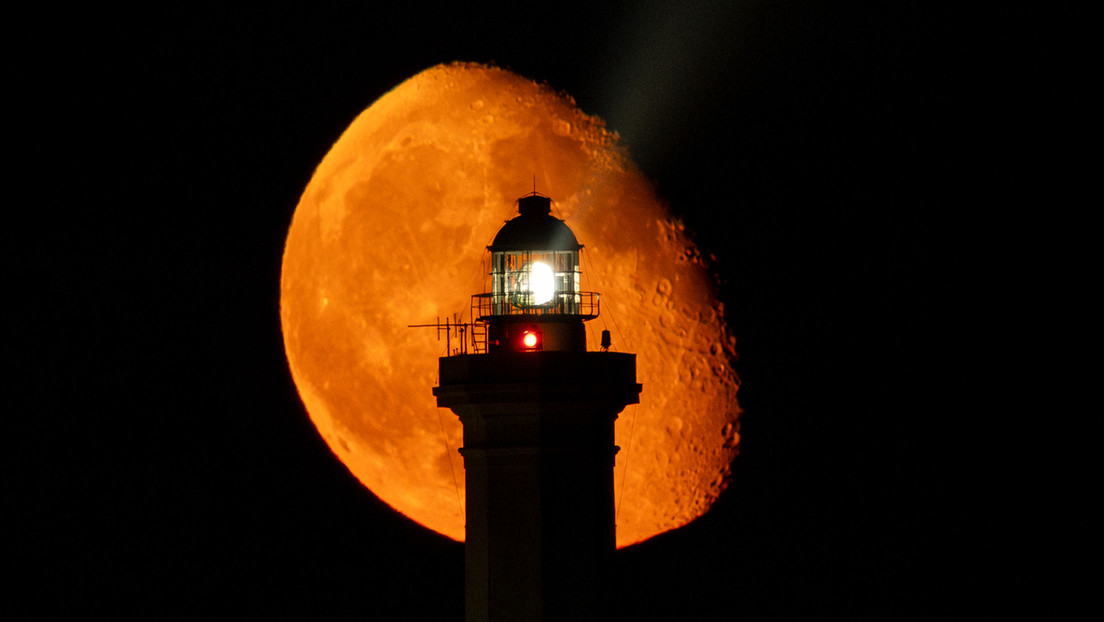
392	230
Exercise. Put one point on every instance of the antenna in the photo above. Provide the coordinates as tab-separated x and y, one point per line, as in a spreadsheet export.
461	330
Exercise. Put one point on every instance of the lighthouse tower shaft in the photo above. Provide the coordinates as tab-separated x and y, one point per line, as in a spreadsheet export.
538	455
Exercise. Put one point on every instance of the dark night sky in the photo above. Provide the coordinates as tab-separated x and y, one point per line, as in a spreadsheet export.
853	167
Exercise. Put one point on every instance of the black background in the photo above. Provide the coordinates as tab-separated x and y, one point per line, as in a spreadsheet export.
855	170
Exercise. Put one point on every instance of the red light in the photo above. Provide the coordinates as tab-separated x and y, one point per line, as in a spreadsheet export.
529	339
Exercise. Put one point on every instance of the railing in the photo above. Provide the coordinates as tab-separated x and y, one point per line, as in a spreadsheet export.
581	304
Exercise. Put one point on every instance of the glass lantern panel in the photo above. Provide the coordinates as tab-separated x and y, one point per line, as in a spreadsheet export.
535	282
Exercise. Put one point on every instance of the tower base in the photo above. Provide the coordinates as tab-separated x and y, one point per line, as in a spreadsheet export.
538	456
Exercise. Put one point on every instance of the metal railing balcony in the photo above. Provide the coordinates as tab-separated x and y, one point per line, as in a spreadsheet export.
580	304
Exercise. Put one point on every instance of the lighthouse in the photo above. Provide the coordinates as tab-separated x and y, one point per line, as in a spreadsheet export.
538	412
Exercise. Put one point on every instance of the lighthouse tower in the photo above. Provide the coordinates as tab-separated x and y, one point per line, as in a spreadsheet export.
538	413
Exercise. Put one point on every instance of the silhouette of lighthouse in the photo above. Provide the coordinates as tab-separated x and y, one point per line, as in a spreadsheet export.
538	413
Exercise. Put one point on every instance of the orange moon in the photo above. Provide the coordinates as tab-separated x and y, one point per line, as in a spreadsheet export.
392	230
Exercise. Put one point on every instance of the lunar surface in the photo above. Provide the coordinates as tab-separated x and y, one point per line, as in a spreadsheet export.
392	230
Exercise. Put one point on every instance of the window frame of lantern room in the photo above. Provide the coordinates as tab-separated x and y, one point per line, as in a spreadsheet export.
510	287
